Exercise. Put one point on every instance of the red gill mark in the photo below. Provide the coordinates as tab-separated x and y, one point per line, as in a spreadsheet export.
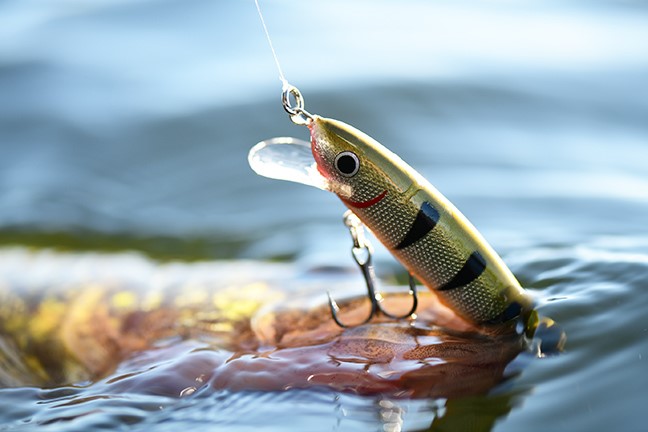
319	162
365	204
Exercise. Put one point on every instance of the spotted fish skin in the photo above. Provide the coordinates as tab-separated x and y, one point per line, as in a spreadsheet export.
422	229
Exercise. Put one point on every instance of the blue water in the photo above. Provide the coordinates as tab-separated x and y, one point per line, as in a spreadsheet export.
132	122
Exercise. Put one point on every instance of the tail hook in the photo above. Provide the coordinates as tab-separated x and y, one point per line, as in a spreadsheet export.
362	254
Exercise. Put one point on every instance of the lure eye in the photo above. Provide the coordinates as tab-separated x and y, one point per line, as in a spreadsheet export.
347	163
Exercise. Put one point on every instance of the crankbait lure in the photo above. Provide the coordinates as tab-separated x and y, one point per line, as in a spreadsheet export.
419	226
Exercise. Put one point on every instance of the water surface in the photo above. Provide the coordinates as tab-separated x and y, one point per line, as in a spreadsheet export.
126	127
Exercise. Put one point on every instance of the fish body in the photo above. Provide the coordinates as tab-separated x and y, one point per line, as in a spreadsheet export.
120	323
421	228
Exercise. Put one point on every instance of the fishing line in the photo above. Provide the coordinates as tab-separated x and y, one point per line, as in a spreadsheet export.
284	82
291	98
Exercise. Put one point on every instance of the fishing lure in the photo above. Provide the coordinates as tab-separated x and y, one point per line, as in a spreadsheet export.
420	227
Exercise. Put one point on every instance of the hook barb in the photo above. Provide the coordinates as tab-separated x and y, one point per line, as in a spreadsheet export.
335	309
375	300
412	292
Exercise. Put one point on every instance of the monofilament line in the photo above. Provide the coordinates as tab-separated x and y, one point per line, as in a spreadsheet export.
284	82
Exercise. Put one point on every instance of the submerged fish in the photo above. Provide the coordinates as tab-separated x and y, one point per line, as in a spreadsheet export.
120	323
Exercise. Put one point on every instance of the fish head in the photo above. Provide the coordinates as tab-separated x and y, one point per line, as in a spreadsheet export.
339	158
356	167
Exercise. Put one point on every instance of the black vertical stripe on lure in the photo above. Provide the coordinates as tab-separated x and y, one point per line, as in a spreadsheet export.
471	270
426	219
512	311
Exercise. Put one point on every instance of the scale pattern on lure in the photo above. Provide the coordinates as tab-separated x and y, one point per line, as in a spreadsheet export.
423	230
420	227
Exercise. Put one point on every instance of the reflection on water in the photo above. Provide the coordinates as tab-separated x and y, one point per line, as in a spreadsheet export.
126	126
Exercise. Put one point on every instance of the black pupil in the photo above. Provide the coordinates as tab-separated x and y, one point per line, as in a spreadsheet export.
346	164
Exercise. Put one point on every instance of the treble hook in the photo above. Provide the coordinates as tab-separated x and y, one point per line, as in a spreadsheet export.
362	254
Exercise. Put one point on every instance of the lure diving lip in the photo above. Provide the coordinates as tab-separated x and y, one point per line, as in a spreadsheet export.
286	158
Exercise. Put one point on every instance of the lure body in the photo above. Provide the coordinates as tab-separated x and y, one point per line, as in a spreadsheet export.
421	228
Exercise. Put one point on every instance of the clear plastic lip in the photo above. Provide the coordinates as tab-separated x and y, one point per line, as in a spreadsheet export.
286	158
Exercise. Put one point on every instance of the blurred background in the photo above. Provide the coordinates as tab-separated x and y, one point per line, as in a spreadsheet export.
126	125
